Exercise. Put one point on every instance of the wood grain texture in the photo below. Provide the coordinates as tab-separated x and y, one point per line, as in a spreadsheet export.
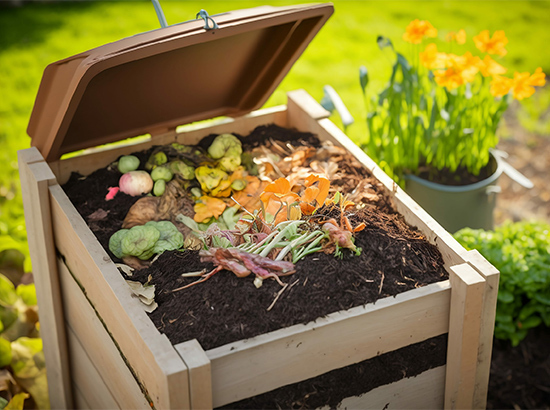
150	354
79	400
467	291
263	363
200	374
424	391
492	277
86	379
303	111
99	347
36	177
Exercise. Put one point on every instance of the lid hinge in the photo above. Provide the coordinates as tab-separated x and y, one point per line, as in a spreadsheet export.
203	14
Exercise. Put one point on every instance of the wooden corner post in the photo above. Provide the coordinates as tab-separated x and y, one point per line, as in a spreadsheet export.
467	291
36	177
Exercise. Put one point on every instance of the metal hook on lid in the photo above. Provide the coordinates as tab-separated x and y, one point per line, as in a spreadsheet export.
203	14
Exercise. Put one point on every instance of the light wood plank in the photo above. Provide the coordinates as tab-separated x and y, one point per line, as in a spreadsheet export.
193	133
200	378
263	363
29	156
424	391
467	290
35	180
492	276
453	253
86	379
303	111
150	354
95	158
79	400
98	345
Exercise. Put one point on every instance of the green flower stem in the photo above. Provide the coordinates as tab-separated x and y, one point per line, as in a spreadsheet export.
296	243
291	226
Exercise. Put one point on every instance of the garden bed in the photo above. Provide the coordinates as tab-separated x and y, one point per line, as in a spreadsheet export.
112	338
395	258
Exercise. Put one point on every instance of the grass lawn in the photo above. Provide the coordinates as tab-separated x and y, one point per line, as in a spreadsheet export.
36	34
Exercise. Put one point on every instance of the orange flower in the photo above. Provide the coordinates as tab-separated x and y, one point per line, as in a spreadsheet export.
469	65
417	30
489	67
450	78
491	45
249	197
208	207
275	196
459	37
523	85
314	196
500	86
460	70
431	58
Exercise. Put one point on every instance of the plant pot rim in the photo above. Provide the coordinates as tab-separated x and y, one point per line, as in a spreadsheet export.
461	188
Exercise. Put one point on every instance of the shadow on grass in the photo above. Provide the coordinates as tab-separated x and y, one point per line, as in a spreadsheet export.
28	25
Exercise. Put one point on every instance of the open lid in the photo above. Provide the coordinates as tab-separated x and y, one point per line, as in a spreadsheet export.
168	77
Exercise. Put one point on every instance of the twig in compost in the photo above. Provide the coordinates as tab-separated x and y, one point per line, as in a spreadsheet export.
381	283
277	297
281	292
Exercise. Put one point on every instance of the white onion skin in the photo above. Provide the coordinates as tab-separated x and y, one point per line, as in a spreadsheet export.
136	183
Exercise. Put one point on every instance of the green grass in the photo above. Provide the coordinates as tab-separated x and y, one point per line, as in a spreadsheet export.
39	33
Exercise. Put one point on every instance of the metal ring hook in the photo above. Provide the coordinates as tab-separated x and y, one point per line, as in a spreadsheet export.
203	14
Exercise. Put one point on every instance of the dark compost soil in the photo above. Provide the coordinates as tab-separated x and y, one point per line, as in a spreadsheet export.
520	376
395	258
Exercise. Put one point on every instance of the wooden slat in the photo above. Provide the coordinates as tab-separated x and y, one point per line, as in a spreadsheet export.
491	275
98	345
303	111
192	134
452	252
79	400
86	379
200	379
96	158
467	290
150	354
424	391
254	366
35	180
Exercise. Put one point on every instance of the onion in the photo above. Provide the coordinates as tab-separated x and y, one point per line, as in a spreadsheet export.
136	183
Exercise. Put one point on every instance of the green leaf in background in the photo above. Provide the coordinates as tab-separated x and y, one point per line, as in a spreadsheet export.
27	293
8	297
12	264
3	403
521	252
29	369
5	352
384	42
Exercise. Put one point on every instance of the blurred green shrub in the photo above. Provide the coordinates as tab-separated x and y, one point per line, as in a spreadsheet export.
22	366
521	252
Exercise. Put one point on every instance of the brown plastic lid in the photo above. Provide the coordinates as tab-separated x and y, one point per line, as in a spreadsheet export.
168	77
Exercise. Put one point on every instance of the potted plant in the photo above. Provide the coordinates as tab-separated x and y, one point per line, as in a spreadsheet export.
434	125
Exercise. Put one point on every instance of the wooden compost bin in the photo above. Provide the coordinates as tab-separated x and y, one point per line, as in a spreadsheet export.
101	348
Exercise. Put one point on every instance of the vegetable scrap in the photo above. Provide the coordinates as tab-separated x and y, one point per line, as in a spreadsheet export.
255	212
